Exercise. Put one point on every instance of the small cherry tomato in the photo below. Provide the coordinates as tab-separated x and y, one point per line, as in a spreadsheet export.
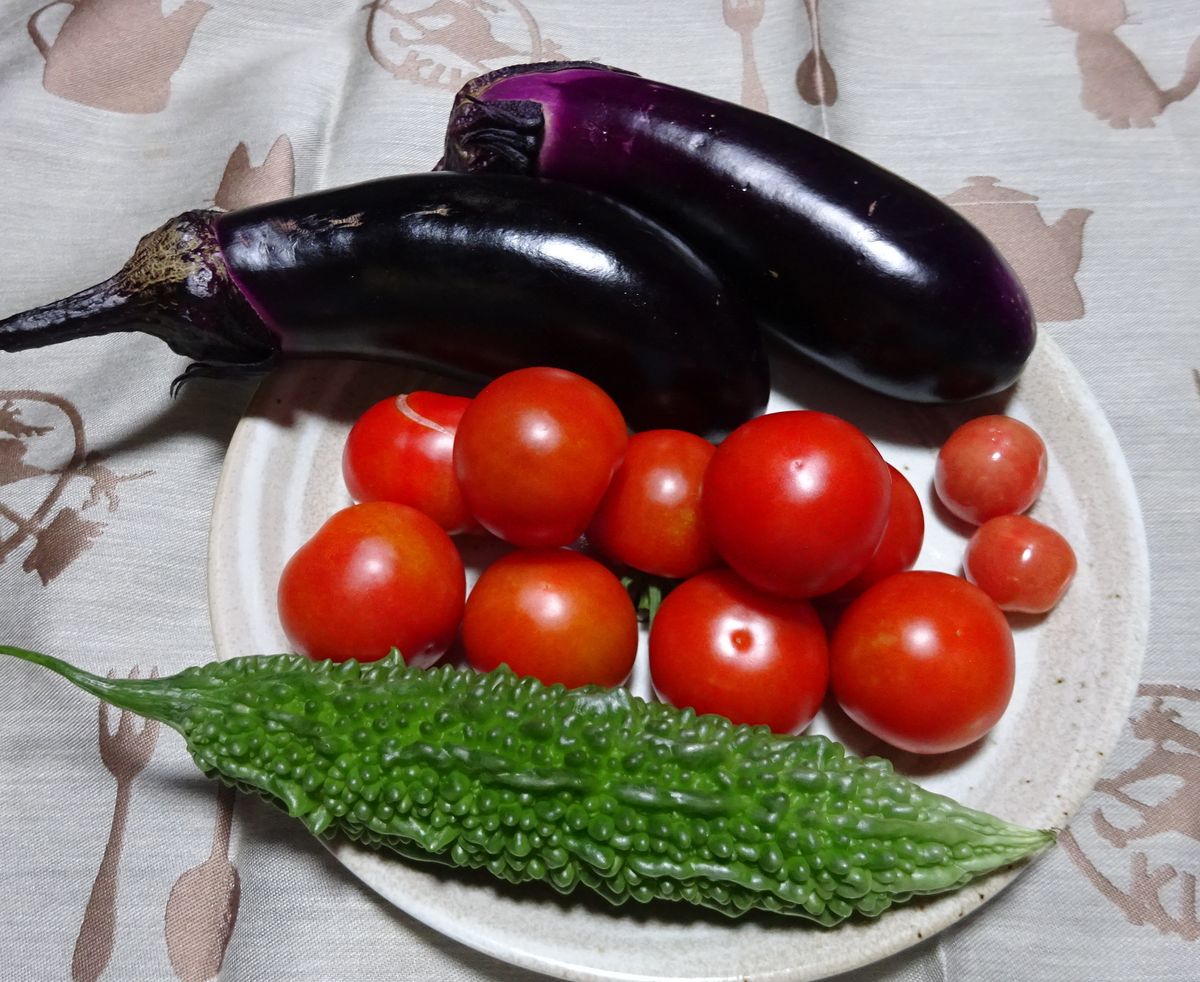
924	661
535	452
717	645
1020	563
373	577
991	465
401	450
901	543
796	502
554	614
650	516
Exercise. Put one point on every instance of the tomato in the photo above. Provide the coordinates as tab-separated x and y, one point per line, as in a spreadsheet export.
1020	563
650	516
924	661
373	577
796	502
554	614
901	543
720	646
535	452
991	465
401	450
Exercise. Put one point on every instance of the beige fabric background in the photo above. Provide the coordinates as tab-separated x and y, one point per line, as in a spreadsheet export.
1068	129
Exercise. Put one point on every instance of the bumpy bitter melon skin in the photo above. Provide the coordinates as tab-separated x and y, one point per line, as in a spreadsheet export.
588	786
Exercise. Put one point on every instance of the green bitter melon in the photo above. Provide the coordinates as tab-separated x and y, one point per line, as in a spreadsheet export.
594	786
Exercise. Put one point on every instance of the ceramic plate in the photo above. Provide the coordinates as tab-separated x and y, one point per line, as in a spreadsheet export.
1077	668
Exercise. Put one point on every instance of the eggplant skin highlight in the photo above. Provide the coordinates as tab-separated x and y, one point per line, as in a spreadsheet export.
470	276
855	267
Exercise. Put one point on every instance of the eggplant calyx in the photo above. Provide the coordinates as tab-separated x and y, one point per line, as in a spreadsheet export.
223	370
179	272
176	286
501	136
476	87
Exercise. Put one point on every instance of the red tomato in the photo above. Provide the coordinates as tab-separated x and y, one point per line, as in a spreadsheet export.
720	646
924	661
991	465
401	450
373	577
535	452
900	545
650	516
796	502
1021	564
554	614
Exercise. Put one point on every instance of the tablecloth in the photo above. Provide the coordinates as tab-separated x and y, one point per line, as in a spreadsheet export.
1068	130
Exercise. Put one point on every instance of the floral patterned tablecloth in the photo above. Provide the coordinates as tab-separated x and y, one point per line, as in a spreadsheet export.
1068	130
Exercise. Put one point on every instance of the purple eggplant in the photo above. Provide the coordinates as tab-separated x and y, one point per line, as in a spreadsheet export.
467	275
865	273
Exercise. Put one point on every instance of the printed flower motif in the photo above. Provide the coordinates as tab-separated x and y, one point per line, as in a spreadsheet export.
10	422
32	509
1149	803
60	543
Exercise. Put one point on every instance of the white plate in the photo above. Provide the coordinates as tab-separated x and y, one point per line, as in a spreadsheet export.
1077	668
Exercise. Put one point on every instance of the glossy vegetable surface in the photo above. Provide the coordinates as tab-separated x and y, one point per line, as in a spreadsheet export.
554	614
923	660
470	276
534	453
649	518
402	449
587	786
374	577
1022	564
717	645
856	267
796	502
990	466
900	545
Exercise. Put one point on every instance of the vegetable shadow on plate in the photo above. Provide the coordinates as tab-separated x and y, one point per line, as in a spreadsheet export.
340	390
859	742
209	409
883	418
260	814
539	894
346	388
354	385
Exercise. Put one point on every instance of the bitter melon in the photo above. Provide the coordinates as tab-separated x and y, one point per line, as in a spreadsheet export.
595	786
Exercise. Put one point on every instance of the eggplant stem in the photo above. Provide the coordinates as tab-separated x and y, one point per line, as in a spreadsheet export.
99	309
175	287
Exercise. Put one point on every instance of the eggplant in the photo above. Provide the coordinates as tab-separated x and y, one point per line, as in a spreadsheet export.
855	267
470	276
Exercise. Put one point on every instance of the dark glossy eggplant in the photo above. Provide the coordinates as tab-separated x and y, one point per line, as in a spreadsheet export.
471	276
869	275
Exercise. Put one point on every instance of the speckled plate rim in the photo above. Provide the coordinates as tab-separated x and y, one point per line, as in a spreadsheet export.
1086	663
